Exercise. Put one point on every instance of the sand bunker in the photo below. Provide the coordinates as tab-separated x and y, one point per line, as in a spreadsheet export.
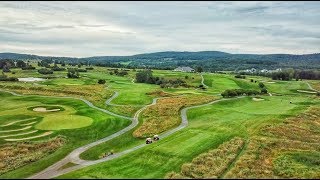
271	82
32	137
42	109
30	79
13	130
9	124
311	92
257	99
12	135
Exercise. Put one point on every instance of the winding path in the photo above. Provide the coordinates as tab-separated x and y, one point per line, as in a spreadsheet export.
202	81
311	88
56	169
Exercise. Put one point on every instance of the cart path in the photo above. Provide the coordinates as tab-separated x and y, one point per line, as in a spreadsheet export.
55	169
202	81
311	88
116	94
69	97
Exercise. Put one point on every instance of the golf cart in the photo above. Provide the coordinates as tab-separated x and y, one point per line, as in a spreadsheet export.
156	137
148	141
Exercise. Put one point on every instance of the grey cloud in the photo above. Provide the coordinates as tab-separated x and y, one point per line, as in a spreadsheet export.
122	28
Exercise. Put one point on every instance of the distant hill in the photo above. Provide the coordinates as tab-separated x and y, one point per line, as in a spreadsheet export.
210	60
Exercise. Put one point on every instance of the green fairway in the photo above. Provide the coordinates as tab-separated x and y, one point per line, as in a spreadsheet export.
95	125
39	119
208	127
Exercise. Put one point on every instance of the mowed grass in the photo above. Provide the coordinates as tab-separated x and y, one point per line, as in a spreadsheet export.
63	121
209	127
16	107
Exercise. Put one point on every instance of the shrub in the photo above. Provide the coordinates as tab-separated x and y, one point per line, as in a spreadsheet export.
89	68
261	85
45	71
264	91
28	68
8	78
238	92
101	81
240	76
56	68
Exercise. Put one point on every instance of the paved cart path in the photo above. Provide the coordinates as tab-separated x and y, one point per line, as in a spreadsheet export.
74	157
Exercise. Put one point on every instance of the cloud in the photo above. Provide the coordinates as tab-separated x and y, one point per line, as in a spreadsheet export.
125	28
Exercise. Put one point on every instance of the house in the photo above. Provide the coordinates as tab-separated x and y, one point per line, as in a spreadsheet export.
264	71
184	69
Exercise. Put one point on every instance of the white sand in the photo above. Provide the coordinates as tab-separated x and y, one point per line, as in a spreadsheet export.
257	99
12	135
13	130
27	124
311	92
41	109
271	82
31	79
32	137
17	122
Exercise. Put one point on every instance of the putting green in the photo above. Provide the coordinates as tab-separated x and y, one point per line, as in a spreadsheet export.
57	122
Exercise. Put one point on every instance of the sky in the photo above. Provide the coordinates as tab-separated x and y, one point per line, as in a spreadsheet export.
84	28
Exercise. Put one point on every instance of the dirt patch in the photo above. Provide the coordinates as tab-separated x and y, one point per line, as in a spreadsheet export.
257	99
42	109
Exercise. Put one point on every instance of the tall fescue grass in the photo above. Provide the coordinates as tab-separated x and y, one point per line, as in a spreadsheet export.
96	94
166	114
15	155
275	154
211	164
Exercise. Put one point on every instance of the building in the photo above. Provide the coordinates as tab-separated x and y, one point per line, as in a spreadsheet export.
184	69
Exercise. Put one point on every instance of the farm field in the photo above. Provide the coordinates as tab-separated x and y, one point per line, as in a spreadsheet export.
202	134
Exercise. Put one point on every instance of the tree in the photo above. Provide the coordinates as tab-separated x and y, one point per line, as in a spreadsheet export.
264	90
101	81
261	85
199	69
186	77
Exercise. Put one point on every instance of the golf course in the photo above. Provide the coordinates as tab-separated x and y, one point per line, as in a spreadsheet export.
62	127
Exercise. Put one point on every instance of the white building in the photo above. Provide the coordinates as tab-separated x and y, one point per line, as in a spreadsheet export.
184	69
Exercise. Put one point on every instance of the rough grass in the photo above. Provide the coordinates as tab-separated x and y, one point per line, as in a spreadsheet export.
166	114
209	126
285	150
15	155
97	94
211	164
15	108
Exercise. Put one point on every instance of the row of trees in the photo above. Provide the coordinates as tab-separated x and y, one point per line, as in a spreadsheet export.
239	92
4	77
146	76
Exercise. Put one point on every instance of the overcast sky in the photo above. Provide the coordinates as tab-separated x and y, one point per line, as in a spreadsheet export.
82	29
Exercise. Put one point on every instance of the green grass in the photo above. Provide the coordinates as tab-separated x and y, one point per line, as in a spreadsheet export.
298	164
209	126
62	121
102	126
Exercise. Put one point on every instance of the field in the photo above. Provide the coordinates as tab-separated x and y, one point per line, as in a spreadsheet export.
273	135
